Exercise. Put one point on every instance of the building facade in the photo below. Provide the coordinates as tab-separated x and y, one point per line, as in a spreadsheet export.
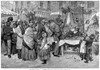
9	5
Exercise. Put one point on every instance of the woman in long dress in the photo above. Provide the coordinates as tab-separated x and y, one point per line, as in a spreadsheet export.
28	49
18	32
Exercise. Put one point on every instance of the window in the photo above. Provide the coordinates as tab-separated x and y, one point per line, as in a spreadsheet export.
74	3
16	8
16	2
28	3
60	4
41	4
90	4
48	5
21	4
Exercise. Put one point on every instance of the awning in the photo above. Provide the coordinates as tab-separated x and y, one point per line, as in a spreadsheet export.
7	12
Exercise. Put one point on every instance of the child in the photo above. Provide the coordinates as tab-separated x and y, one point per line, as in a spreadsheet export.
89	41
45	49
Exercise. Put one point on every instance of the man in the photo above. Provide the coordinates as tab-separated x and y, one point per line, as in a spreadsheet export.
7	36
89	41
59	20
56	34
40	29
19	30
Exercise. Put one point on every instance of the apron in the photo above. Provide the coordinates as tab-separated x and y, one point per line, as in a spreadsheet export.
19	40
83	47
28	37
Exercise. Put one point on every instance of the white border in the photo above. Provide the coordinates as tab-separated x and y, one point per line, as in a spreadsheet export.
48	68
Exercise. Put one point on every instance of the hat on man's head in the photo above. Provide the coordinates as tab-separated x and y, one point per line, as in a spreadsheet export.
92	36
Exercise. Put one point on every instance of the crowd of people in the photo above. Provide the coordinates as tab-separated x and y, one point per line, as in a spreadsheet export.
37	38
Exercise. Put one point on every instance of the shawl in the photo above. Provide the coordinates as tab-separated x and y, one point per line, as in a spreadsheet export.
28	37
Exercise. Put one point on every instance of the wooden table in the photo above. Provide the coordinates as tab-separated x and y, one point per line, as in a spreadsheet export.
72	42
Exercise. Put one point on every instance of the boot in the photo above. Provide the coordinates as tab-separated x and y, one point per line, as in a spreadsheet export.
44	62
82	58
91	59
9	56
86	61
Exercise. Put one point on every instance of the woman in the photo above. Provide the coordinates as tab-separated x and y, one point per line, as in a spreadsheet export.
18	32
44	53
28	51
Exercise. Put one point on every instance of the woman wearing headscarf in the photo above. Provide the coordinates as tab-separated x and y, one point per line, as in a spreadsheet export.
28	49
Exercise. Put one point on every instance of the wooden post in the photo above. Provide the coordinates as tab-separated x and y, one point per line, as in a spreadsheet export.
62	50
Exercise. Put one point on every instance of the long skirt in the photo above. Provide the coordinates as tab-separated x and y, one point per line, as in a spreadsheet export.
28	54
44	54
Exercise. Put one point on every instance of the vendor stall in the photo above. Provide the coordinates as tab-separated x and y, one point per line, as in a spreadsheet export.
7	12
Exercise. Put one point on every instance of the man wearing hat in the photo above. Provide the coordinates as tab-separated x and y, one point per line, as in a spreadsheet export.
7	36
40	28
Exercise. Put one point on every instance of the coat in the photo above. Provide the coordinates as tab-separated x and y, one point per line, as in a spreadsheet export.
7	32
44	53
19	39
28	37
